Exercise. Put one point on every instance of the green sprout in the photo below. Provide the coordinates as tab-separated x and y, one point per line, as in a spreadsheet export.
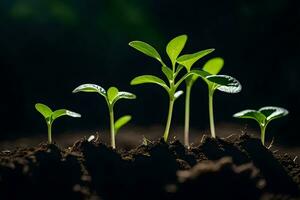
111	96
173	49
223	83
213	66
263	116
50	116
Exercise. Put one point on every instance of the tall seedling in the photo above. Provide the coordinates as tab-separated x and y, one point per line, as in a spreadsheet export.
213	66
173	49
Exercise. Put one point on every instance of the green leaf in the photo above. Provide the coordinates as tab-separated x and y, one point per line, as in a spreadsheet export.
225	83
167	71
146	49
251	114
112	94
90	88
188	60
214	65
175	46
272	112
178	94
149	79
44	110
63	112
124	95
121	122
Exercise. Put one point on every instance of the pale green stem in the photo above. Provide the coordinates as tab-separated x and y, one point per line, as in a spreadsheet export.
211	113
112	127
49	125
167	130
187	114
263	133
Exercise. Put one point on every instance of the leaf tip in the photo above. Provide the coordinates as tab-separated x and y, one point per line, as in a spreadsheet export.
131	43
73	114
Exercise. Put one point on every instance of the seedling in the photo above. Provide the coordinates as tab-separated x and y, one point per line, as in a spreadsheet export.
50	116
213	66
263	116
111	97
223	83
173	49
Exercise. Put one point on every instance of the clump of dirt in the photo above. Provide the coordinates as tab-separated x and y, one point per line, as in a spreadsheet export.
43	172
232	168
221	179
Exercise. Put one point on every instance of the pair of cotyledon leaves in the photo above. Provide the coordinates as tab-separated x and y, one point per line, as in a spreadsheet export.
111	96
223	83
264	115
50	115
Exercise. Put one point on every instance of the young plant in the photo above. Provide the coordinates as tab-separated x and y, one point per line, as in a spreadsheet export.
213	66
50	116
263	116
111	97
223	83
173	49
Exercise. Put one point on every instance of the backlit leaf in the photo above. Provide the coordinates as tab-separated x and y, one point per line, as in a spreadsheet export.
188	60
43	109
112	93
124	95
149	79
251	114
90	88
272	112
63	112
175	46
146	49
225	83
121	122
214	65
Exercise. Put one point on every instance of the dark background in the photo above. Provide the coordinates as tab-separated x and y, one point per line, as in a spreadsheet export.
49	47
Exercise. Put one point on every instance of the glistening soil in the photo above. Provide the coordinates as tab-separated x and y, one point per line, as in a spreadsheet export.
238	167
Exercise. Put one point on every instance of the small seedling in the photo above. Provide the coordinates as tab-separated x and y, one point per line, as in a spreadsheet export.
173	49
263	116
111	96
50	116
213	66
223	83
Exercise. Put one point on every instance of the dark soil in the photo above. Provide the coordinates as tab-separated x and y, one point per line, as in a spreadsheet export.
235	168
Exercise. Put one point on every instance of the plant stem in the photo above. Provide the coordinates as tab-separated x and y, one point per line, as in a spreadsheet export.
112	127
187	114
211	113
166	133
49	125
263	133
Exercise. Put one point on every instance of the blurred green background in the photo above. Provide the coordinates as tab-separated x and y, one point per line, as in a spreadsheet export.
49	47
